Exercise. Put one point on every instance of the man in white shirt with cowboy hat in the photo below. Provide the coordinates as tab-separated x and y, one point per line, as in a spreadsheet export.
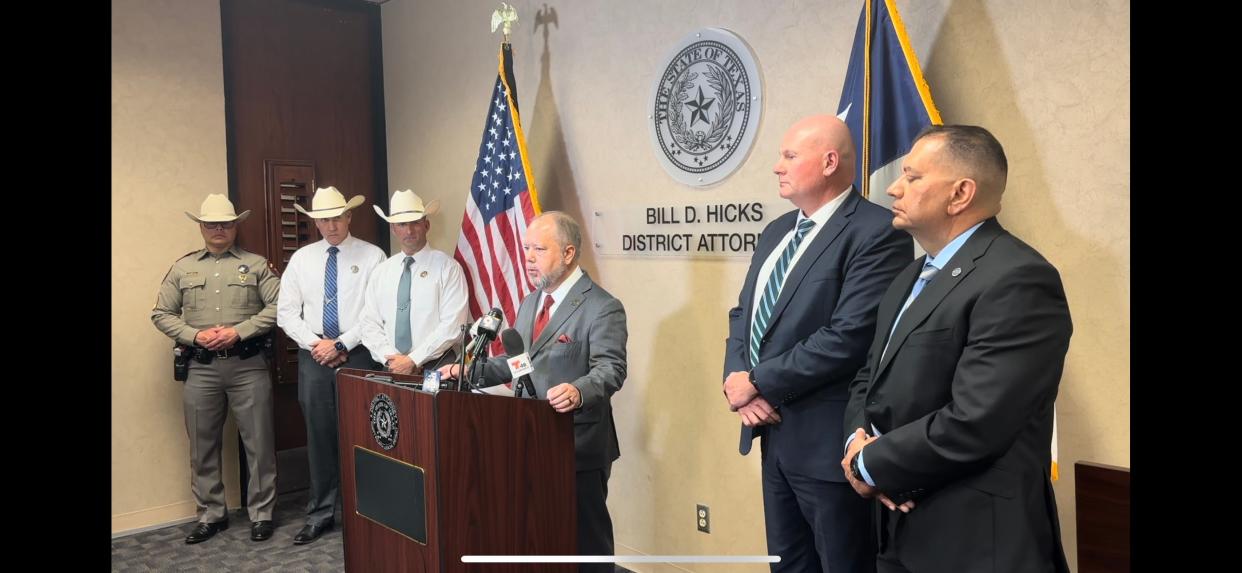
218	303
416	300
320	300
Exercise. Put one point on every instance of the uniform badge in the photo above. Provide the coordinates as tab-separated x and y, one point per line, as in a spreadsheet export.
243	269
354	269
423	274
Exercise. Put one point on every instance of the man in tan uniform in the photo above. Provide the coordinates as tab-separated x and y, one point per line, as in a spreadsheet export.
218	304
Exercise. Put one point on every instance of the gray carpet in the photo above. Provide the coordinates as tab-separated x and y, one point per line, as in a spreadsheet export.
232	550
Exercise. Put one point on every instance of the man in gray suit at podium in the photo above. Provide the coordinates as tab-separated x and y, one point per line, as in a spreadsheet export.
575	334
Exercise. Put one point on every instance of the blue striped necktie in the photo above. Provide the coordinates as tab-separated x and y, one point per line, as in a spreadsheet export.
331	321
772	291
925	276
404	339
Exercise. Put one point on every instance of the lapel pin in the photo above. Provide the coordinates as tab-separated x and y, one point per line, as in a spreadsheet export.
957	271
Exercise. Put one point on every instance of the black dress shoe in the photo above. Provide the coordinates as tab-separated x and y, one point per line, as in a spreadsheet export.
261	530
203	531
310	533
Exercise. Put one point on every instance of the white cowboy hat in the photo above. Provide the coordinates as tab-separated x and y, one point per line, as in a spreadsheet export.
405	206
217	209
328	203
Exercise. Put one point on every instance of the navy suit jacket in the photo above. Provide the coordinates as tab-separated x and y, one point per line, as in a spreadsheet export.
820	329
963	398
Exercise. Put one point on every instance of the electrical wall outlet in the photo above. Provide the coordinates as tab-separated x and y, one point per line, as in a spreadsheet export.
704	518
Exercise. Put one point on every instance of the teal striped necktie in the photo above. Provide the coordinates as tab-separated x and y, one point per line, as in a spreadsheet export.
772	291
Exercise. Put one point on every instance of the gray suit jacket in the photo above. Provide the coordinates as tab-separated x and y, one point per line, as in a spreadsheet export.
583	344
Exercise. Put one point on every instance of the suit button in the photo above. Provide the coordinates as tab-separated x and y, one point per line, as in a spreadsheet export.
871	403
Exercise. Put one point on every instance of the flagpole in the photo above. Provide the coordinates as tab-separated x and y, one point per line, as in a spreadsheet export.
866	122
505	17
501	201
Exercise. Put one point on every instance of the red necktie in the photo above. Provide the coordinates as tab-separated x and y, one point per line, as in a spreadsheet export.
541	320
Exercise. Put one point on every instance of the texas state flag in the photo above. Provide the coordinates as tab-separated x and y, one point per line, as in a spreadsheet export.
885	101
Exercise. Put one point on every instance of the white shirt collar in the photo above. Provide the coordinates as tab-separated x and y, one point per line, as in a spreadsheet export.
561	291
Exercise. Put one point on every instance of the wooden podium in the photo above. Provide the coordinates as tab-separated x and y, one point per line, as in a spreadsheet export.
429	477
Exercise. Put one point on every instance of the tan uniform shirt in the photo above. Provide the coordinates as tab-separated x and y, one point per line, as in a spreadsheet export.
202	290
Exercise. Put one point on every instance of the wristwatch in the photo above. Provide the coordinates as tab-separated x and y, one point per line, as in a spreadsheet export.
340	346
854	467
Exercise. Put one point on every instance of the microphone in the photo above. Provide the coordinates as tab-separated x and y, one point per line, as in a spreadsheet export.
519	362
484	330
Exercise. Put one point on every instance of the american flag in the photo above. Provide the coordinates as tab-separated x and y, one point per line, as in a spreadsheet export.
502	203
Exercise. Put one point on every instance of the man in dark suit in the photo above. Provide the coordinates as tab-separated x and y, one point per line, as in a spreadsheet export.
797	337
575	335
951	417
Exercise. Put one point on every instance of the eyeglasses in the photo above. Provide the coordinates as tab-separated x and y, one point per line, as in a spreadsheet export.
220	225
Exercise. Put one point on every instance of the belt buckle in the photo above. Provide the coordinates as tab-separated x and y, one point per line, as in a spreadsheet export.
223	353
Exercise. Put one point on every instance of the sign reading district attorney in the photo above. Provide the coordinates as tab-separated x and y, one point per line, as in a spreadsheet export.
706	229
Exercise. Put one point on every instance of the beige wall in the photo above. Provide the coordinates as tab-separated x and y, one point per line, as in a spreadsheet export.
168	153
1050	79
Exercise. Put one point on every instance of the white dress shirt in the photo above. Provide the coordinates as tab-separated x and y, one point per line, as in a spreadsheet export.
299	310
820	217
437	305
559	294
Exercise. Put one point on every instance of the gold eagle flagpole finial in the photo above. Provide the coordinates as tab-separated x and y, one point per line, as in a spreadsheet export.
506	15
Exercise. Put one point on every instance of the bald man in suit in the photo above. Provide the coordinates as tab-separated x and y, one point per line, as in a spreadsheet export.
799	333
